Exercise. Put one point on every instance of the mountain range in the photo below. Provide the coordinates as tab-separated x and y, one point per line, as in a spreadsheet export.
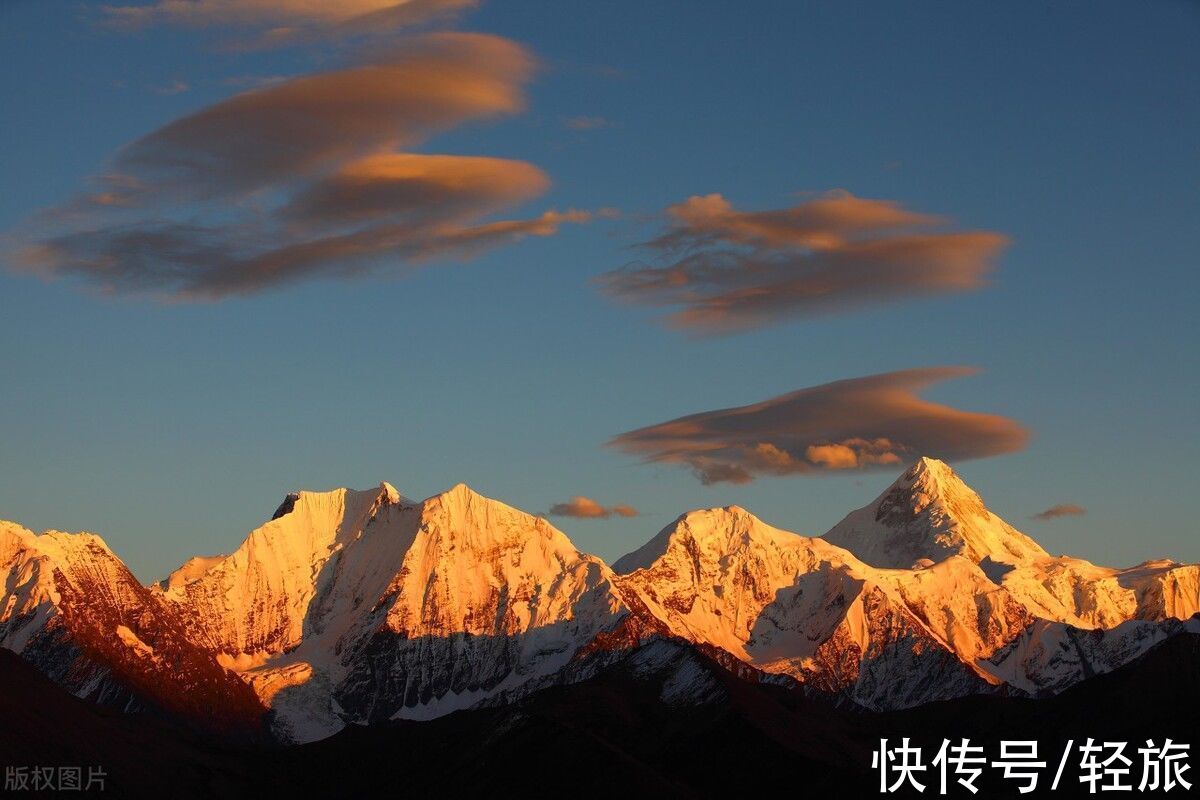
365	607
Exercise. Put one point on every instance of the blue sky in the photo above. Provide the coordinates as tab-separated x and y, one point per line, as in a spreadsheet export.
173	428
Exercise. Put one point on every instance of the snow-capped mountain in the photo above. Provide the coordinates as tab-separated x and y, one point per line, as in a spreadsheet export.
929	514
802	607
73	609
364	606
1087	619
361	606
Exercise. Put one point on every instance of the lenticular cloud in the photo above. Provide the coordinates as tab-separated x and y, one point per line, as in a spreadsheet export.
311	177
878	421
726	270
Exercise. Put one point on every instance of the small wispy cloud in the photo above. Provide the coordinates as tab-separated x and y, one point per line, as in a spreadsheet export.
586	123
174	87
254	81
1061	510
580	507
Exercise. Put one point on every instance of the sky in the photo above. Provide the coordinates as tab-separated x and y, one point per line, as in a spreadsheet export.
611	260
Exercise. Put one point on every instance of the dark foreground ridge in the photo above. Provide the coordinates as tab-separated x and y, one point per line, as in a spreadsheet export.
620	731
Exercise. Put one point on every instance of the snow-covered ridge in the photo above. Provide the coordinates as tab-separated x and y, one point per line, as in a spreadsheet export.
357	606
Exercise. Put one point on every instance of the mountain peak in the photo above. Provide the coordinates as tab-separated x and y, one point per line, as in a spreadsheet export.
930	513
719	528
465	518
460	497
724	522
926	465
389	494
287	506
929	482
721	513
61	546
933	477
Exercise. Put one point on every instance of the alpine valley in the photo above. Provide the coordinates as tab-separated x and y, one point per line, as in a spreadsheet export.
359	621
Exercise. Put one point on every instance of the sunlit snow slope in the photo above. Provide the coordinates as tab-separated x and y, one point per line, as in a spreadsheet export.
361	606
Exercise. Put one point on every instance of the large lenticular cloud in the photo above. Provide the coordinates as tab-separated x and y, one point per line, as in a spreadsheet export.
306	178
873	422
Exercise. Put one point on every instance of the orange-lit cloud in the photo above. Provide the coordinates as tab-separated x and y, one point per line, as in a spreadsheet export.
728	270
385	184
305	125
852	454
287	20
307	177
581	507
873	422
1061	510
